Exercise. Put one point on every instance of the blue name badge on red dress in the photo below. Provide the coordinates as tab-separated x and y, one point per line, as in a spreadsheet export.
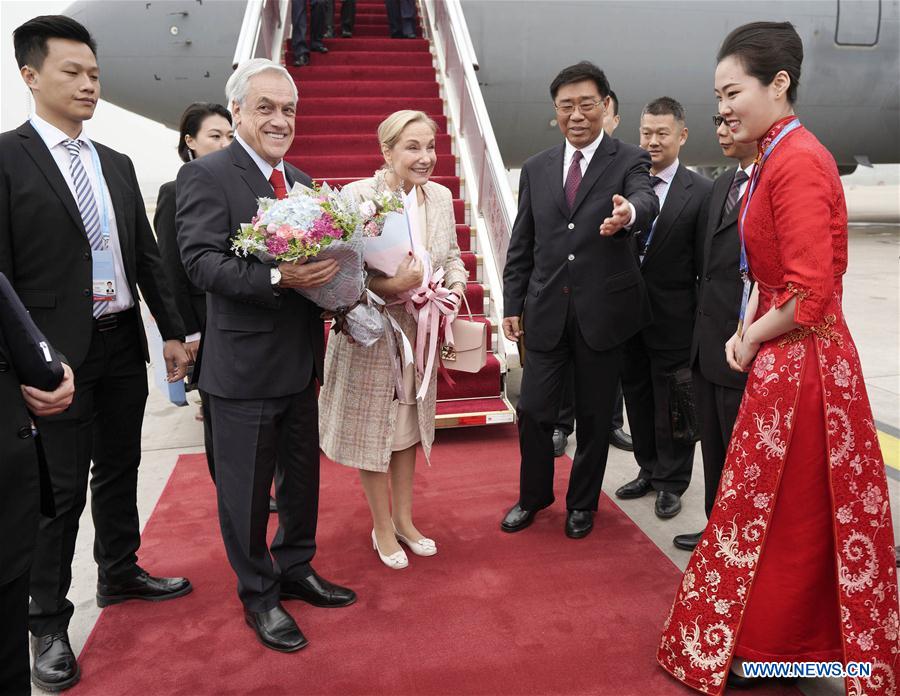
104	275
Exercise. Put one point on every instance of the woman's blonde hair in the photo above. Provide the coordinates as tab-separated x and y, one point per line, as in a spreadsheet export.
390	128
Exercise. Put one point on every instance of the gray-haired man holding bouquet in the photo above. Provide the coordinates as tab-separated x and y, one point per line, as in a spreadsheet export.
260	356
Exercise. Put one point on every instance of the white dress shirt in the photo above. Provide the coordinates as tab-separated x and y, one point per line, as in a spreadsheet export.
662	189
55	140
742	189
587	154
264	166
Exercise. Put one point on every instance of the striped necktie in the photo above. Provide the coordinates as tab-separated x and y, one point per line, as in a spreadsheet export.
740	176
87	206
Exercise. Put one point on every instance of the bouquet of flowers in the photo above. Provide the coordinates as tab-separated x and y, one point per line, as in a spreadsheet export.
316	224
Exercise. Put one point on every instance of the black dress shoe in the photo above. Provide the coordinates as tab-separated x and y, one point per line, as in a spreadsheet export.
409	36
560	440
738	681
142	586
897	555
276	629
346	34
319	48
667	504
687	542
579	523
55	667
301	61
517	519
619	439
634	489
317	591
273	506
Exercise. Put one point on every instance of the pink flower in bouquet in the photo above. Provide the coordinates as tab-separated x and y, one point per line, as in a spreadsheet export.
276	246
285	232
324	227
371	229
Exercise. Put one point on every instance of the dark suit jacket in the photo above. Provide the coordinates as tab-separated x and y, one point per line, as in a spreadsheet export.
45	253
260	342
672	263
190	300
720	290
25	488
555	251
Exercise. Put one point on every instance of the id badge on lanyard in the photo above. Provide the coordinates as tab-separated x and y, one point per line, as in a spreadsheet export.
104	269
754	179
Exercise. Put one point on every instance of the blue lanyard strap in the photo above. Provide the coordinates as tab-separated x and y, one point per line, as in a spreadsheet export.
103	191
754	179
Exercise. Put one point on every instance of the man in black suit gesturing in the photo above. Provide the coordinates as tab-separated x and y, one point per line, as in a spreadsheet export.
72	221
571	269
668	249
260	356
718	389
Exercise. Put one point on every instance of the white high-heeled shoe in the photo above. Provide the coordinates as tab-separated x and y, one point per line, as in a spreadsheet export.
422	547
397	560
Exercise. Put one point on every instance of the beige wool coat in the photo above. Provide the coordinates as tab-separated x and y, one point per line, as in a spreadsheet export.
357	403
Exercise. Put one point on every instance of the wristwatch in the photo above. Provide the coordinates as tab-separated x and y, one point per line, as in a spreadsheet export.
274	276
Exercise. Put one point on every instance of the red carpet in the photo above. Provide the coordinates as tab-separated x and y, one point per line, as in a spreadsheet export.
492	613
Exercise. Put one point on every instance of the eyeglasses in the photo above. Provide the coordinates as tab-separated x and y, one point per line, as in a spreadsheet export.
718	120
585	107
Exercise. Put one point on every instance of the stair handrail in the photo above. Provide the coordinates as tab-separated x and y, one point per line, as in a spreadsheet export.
486	181
262	31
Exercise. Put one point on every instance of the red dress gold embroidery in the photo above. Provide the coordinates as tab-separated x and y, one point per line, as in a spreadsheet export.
796	239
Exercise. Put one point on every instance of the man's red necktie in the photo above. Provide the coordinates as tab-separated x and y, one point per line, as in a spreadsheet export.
278	184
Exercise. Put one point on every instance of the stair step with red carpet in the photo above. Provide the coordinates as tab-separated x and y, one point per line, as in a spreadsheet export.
354	166
464	237
345	124
473	385
472	262
451	182
371	106
322	73
475	297
459	211
379	45
395	60
379	89
347	144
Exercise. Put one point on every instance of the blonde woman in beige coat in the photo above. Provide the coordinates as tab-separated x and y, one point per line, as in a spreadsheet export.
362	423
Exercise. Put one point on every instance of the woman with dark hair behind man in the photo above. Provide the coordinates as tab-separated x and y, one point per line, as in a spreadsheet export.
797	561
204	129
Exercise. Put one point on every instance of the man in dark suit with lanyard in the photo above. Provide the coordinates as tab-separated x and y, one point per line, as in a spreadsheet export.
72	220
261	354
718	389
25	491
669	253
570	267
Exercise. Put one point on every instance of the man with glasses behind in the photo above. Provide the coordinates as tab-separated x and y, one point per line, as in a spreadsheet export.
570	267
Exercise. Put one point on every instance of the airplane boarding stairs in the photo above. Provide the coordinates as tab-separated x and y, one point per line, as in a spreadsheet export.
344	95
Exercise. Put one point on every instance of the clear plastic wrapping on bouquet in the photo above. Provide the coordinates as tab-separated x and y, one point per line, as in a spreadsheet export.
344	292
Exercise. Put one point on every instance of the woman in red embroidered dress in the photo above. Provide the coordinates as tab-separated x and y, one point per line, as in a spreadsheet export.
797	561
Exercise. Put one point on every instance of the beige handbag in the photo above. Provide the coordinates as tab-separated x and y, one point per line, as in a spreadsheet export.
469	350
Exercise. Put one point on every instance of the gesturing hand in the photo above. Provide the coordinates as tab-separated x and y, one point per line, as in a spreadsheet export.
43	403
620	217
307	274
